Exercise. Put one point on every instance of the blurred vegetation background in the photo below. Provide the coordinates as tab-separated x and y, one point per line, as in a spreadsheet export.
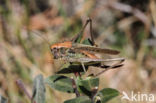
125	25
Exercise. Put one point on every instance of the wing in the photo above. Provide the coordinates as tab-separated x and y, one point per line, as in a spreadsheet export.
94	49
84	60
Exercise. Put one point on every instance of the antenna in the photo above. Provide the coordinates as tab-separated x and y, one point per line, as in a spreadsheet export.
43	37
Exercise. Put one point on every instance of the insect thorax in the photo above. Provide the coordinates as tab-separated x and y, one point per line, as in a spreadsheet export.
62	52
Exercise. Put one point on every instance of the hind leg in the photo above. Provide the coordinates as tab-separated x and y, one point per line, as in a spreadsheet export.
82	30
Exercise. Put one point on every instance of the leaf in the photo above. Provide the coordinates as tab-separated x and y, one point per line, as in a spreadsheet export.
3	100
75	67
106	94
70	68
88	85
87	42
60	82
89	82
82	99
38	90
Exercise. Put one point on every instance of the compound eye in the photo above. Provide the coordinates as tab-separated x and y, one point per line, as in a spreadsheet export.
55	53
54	49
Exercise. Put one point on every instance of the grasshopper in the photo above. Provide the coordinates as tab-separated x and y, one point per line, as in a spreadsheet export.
74	52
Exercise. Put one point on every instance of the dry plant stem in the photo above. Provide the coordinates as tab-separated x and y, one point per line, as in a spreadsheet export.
128	9
153	9
20	84
94	91
75	87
